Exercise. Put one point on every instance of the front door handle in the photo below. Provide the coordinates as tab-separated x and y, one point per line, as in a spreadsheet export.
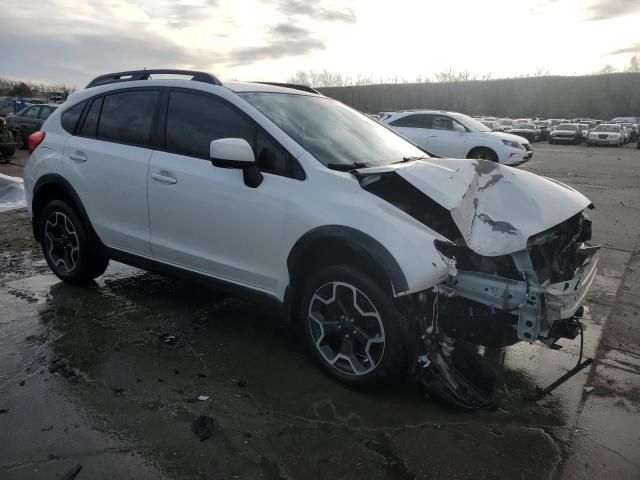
79	157
164	178
433	136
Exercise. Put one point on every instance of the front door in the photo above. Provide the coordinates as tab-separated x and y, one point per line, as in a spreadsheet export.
204	218
446	137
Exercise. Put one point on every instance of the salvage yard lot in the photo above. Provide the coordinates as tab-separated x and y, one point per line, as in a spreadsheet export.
109	377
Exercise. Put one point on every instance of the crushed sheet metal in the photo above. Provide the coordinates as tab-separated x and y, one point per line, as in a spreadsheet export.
11	193
496	207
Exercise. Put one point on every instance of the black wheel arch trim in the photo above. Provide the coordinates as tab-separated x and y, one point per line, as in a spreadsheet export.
357	239
57	180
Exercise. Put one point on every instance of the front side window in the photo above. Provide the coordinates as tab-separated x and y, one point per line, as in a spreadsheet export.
443	123
127	117
330	131
195	120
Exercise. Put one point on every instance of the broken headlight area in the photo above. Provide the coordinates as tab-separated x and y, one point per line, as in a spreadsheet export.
488	303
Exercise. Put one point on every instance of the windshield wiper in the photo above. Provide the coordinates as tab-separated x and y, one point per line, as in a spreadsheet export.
346	167
411	159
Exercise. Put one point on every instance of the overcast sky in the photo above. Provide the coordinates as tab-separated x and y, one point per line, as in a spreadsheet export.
72	41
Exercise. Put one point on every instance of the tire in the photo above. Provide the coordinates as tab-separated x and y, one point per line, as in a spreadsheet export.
67	247
361	342
7	152
483	154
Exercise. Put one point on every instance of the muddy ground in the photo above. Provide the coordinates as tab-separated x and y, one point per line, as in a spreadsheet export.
93	379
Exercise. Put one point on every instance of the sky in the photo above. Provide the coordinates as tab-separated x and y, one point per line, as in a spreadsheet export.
72	41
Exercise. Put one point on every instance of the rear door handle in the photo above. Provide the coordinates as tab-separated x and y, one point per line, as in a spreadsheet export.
433	136
79	157
164	178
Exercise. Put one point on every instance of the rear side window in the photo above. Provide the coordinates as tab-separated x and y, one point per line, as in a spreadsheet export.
71	116
90	126
127	117
193	121
413	121
33	112
45	112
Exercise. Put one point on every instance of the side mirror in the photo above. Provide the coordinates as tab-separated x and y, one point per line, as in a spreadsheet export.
236	153
459	128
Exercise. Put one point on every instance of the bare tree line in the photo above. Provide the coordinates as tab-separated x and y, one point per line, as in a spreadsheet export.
27	89
597	96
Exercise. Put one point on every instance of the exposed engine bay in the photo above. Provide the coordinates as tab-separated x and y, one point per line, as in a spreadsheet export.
495	294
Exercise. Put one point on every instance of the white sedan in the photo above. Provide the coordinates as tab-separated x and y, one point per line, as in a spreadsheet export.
455	135
606	134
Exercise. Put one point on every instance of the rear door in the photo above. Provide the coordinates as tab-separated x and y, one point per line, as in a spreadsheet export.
204	218
107	162
413	127
446	137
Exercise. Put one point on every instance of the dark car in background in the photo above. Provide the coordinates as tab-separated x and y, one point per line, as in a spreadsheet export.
526	130
566	133
28	120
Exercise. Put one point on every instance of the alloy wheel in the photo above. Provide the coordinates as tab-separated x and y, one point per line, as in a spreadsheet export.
62	243
346	328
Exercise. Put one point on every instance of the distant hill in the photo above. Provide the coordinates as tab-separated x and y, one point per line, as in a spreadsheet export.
596	96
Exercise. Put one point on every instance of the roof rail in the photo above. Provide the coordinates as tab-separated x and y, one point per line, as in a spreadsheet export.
303	88
145	74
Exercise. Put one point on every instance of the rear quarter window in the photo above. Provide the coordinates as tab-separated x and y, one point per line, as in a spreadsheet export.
71	116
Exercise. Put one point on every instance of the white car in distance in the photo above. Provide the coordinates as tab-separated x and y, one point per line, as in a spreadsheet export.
455	135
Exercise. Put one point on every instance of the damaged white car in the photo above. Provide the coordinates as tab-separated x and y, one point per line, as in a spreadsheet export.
393	263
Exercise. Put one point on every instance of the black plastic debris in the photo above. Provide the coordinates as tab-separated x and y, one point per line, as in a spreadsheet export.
168	339
4	410
73	473
240	382
203	427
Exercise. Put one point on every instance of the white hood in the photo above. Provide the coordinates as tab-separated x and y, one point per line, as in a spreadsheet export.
495	207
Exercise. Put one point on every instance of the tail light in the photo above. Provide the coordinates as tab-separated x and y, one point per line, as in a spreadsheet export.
35	139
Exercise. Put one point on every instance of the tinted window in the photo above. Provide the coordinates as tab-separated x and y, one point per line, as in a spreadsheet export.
90	125
71	116
45	112
32	112
442	123
193	121
413	121
127	117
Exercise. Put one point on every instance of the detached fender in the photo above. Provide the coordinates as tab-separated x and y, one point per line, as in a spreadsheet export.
357	240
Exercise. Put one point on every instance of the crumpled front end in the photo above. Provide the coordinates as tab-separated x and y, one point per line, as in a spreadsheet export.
519	259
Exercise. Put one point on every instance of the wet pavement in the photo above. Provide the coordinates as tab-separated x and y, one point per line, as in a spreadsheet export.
111	377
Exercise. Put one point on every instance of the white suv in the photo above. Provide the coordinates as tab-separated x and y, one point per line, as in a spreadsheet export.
391	262
455	135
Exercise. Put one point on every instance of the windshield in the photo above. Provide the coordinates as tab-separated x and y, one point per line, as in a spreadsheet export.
566	126
471	123
525	126
607	128
332	132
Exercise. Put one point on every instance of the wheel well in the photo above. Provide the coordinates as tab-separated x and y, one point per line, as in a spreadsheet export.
477	149
336	251
43	196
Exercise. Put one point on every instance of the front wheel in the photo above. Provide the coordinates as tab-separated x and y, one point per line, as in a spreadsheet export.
483	154
352	327
66	245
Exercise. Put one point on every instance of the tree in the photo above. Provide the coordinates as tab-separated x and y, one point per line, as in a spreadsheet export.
634	64
607	69
21	89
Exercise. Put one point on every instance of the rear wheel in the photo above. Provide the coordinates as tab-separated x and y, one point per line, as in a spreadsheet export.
483	154
352	327
66	246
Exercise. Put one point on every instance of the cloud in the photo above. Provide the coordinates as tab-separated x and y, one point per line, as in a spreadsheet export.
283	40
317	10
607	9
632	48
